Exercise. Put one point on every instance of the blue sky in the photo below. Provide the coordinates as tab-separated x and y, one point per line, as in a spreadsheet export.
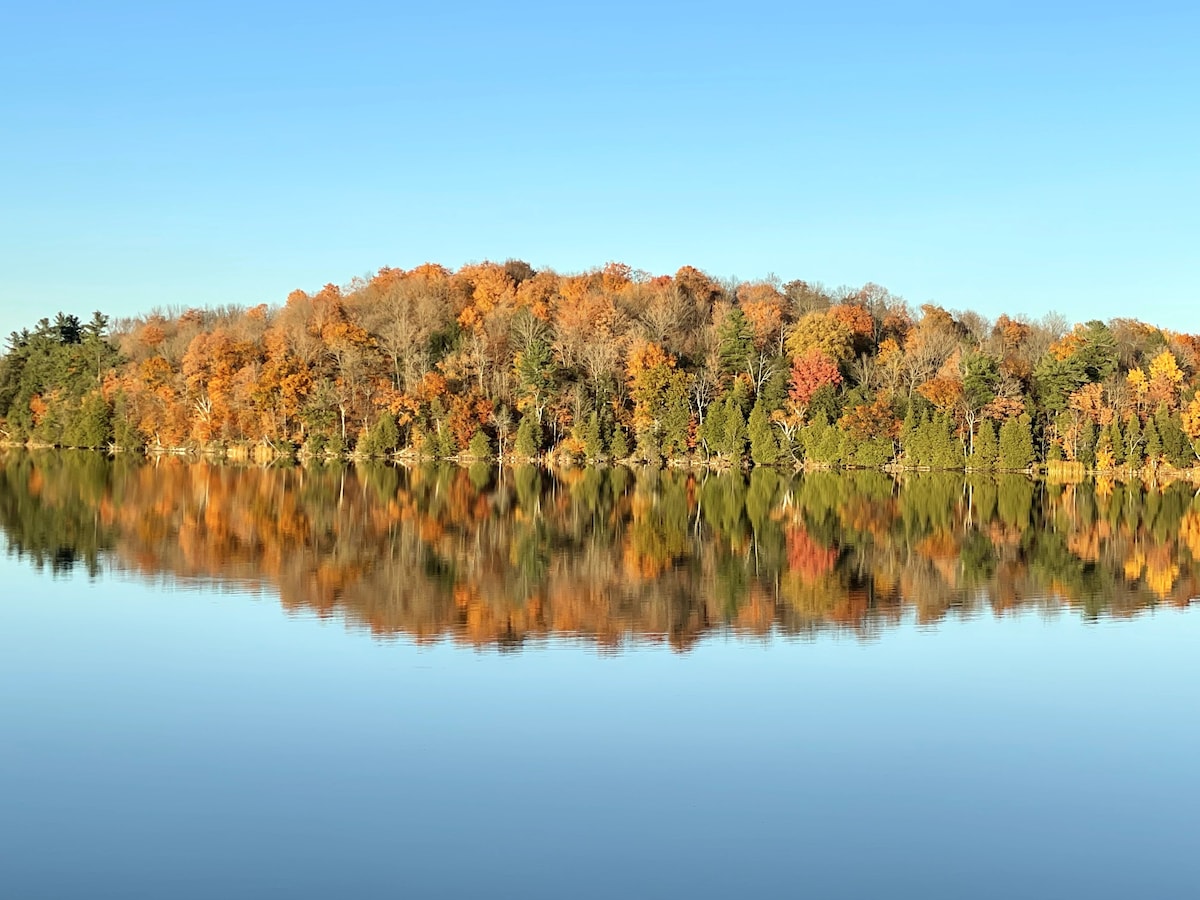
1015	157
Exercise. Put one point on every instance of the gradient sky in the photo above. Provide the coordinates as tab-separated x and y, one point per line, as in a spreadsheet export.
1004	157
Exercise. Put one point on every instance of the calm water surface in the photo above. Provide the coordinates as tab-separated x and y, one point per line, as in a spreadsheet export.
286	683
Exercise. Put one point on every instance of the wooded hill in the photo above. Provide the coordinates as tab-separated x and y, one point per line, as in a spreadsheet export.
610	364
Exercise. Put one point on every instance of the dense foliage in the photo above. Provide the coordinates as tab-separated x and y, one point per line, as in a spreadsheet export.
503	359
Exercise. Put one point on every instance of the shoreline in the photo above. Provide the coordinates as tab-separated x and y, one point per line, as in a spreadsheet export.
263	454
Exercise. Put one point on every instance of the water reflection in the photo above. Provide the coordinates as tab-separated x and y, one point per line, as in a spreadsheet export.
499	558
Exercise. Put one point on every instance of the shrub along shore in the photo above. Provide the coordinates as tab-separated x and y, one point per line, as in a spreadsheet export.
498	360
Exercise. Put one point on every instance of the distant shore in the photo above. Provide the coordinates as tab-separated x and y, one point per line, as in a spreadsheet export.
260	454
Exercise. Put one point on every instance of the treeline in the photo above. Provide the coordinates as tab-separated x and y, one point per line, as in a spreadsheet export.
500	359
499	557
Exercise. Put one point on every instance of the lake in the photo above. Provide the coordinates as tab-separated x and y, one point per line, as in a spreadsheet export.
377	682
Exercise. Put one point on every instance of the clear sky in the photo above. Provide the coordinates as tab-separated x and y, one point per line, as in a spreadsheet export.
1012	156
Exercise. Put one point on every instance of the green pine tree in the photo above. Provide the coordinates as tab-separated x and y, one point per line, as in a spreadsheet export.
592	444
480	447
948	449
447	446
735	342
619	445
909	427
987	447
529	437
736	436
764	448
1086	453
916	440
872	453
1016	443
93	427
382	439
1176	448
649	448
676	418
712	429
125	431
1154	446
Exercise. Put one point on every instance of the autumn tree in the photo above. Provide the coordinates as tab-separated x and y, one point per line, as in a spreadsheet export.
823	333
1164	382
1190	421
811	372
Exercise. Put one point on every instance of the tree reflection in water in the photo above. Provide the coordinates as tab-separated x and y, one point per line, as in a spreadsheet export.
497	558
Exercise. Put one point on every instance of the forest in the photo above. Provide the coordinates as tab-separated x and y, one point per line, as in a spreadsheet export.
502	360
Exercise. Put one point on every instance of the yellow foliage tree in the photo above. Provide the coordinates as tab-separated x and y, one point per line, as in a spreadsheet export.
1191	423
1165	380
821	331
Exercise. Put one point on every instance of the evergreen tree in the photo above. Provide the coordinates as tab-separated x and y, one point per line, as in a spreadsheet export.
1154	447
924	443
980	379
382	439
810	436
676	419
649	449
736	436
479	447
1016	443
1176	448
822	442
735	342
1116	442
1087	445
873	452
909	441
847	448
1098	351
447	446
529	437
1055	379
764	449
712	430
67	329
335	446
833	447
773	394
825	402
739	393
593	446
987	447
100	353
948	449
619	445
537	374
93	426
126	435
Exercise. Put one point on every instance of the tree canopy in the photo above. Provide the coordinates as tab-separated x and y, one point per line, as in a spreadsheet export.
612	362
